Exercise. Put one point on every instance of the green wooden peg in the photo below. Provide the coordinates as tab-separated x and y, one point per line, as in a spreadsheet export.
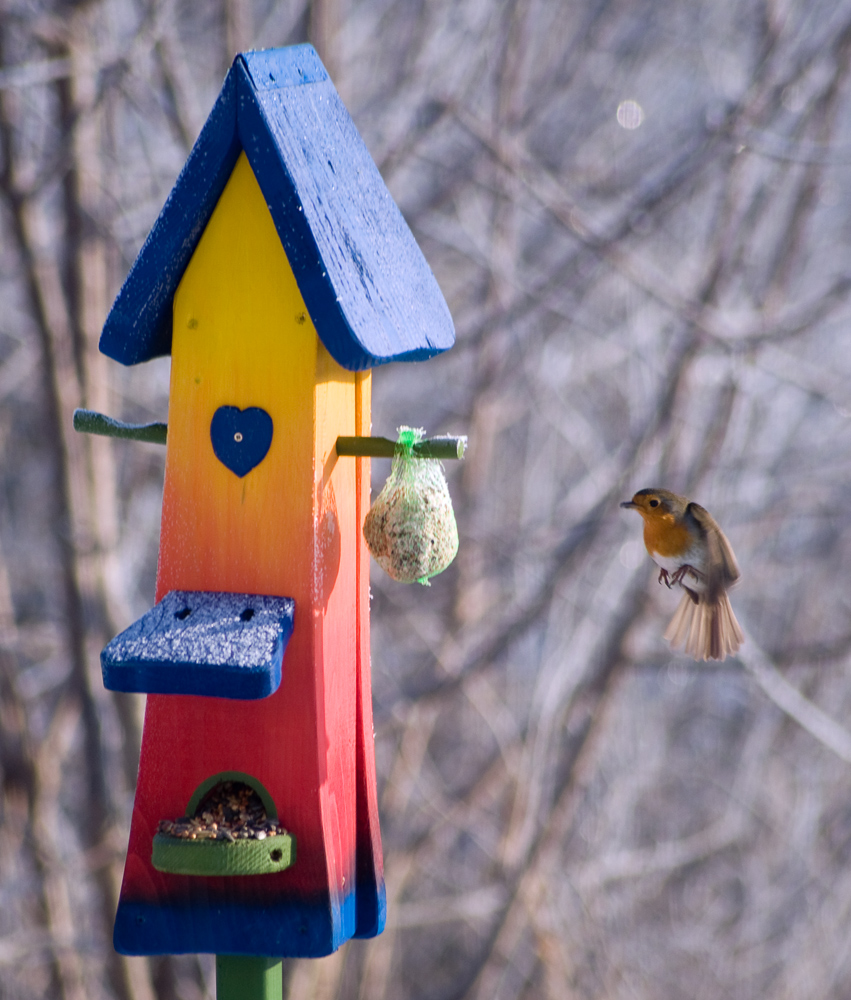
91	422
379	447
248	977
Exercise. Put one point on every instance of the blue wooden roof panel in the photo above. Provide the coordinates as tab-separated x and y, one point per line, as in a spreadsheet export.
138	326
271	69
369	268
369	290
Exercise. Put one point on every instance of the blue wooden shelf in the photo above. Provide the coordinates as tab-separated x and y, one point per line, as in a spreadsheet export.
194	642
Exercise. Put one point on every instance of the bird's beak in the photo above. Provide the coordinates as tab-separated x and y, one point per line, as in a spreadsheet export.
628	503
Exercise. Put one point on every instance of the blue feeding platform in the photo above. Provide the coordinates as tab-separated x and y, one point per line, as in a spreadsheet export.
196	642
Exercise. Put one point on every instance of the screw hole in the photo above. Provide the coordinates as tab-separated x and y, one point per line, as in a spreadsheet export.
185	613
276	855
247	615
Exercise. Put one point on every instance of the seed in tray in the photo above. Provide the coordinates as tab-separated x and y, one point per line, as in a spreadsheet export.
230	811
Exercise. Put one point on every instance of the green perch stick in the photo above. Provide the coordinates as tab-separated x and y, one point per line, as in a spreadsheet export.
90	422
379	447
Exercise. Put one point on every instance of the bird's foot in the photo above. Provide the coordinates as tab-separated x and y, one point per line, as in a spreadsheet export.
663	578
681	571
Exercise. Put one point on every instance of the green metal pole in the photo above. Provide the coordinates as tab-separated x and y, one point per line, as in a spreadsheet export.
248	977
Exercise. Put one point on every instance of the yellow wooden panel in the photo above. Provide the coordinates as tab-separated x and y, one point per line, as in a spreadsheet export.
290	527
242	337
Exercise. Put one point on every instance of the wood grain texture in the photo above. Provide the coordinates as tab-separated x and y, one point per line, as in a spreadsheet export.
369	291
243	337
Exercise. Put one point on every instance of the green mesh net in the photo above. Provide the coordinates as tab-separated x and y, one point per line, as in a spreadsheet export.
410	529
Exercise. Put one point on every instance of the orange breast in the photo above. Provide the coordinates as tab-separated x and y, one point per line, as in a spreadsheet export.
666	537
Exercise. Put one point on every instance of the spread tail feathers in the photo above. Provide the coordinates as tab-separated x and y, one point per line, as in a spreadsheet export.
705	631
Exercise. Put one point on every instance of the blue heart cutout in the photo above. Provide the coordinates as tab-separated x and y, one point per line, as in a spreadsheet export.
241	438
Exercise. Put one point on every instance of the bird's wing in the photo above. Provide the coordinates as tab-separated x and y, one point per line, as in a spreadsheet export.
721	566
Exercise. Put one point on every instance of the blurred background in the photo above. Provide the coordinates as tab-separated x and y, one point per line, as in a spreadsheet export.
639	212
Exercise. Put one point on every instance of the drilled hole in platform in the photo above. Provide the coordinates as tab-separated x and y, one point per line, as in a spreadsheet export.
247	615
183	614
276	855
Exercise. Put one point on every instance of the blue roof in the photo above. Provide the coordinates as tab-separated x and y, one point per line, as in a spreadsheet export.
370	293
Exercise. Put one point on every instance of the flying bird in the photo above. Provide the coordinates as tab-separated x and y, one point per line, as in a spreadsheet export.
691	551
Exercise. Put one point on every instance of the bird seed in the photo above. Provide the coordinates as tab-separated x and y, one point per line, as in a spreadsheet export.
230	811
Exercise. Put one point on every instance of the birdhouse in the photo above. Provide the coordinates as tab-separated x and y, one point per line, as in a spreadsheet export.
279	272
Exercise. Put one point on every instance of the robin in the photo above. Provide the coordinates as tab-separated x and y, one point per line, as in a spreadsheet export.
684	540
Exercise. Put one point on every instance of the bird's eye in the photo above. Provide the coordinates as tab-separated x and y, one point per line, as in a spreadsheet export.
654	503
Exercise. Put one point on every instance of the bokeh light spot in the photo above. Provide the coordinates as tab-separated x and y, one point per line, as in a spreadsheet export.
630	114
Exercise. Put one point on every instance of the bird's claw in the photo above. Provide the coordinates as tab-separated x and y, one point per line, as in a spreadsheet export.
681	571
663	578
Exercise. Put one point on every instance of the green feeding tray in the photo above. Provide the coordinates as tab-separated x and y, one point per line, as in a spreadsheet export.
179	856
